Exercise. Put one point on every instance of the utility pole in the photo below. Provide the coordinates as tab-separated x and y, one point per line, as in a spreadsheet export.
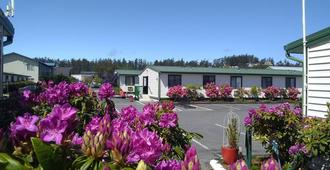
305	78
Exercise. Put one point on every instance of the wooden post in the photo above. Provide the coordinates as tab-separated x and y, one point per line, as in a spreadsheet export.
1	61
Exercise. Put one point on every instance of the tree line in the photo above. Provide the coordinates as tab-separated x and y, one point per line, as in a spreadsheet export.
108	65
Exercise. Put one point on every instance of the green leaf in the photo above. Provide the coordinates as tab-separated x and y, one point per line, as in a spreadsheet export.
87	164
50	158
8	163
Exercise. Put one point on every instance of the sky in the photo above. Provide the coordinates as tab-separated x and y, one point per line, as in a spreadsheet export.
160	29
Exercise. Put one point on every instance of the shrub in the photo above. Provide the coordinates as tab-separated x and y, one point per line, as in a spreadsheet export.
279	123
177	92
293	93
70	127
225	91
15	86
241	93
255	92
192	91
212	91
271	92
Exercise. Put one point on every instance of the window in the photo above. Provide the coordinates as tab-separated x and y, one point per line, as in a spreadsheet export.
174	80
236	82
129	80
29	67
208	79
290	82
266	82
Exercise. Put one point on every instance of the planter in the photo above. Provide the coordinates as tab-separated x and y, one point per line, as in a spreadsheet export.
229	154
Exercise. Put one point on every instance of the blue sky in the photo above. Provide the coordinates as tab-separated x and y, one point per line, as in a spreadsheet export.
154	29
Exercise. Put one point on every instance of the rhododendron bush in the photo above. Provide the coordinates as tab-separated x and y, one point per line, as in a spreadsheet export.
280	123
71	127
214	91
177	92
271	92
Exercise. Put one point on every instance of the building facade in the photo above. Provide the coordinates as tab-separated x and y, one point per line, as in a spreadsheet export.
156	80
318	70
127	79
21	65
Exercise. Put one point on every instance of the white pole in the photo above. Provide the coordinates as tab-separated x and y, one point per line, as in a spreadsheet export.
305	78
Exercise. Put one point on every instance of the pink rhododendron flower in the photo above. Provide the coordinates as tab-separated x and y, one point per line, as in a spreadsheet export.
168	120
225	90
24	127
271	92
147	146
191	161
212	90
78	89
177	92
293	93
168	165
106	91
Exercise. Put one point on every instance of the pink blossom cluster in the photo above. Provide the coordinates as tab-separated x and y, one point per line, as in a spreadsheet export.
129	137
271	92
214	91
177	92
293	93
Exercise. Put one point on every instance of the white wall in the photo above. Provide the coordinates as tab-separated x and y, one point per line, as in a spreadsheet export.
152	81
248	81
319	79
122	83
77	76
18	65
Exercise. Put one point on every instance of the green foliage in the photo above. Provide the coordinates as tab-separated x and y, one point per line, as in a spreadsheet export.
8	163
50	157
283	128
255	92
117	90
191	86
316	136
232	133
59	78
12	87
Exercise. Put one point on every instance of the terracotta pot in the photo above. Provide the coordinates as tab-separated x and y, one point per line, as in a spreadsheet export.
229	154
131	99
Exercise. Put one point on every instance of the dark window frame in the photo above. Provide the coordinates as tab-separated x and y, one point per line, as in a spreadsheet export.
264	85
126	80
208	80
171	84
235	77
287	85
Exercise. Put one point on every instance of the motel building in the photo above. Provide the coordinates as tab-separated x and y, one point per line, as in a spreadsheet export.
156	80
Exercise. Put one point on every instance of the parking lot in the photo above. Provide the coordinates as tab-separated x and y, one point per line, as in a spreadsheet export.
208	120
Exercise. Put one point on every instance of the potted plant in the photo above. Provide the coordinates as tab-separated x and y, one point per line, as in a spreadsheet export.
230	151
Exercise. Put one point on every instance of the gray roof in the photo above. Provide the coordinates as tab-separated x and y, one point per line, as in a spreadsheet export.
285	68
128	72
217	70
13	54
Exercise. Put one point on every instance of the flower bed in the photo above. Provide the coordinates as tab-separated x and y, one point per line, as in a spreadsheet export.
303	142
71	127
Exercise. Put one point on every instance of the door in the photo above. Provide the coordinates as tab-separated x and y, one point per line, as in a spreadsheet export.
145	85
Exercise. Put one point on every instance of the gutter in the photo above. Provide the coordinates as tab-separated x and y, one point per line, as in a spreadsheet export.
8	41
287	55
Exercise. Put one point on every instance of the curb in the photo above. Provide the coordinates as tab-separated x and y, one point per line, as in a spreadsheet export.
215	165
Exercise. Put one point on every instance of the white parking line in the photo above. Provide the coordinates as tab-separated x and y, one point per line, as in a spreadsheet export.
140	103
204	108
200	144
242	133
230	107
177	109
